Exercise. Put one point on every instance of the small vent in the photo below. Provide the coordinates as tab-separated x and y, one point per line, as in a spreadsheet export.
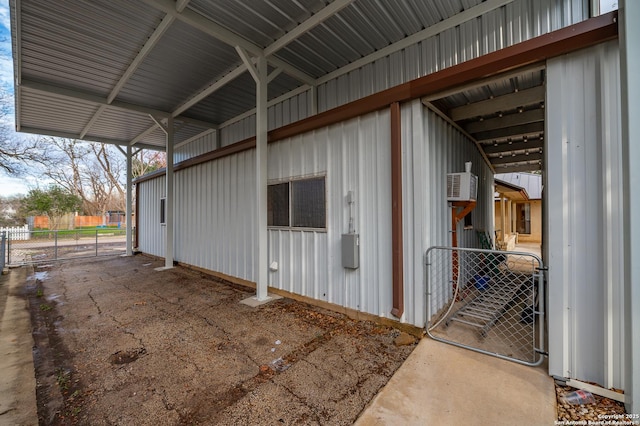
453	185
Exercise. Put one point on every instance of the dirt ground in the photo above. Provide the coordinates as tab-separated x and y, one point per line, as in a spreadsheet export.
118	343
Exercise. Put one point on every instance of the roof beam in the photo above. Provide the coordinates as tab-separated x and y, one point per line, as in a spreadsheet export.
92	121
485	81
431	31
515	146
131	69
510	159
142	54
181	4
76	95
210	89
315	19
518	132
509	120
219	32
519	168
69	135
499	103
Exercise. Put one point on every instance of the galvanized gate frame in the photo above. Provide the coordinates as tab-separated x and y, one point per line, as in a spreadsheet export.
476	288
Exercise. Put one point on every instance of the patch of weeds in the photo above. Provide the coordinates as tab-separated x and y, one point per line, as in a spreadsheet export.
39	293
63	378
45	308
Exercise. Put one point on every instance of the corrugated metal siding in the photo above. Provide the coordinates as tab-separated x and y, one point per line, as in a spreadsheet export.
215	209
240	130
431	149
585	213
151	234
354	156
201	145
516	22
503	27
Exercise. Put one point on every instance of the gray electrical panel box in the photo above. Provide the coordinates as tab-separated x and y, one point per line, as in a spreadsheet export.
351	251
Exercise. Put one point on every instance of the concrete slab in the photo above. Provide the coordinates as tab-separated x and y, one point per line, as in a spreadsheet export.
254	302
17	381
443	384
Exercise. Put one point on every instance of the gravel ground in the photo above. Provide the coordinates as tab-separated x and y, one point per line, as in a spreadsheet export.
602	410
118	343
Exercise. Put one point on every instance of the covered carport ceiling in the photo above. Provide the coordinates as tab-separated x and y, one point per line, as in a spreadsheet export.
100	70
504	115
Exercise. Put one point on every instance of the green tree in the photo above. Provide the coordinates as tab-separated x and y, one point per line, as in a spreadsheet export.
54	203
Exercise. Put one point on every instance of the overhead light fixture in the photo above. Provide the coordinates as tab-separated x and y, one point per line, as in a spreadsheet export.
520	110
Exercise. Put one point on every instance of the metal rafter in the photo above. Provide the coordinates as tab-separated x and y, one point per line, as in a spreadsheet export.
131	69
217	31
507	102
307	25
33	86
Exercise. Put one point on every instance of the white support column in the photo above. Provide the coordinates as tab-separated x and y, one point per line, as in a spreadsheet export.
629	17
261	178
129	202
169	200
503	217
169	131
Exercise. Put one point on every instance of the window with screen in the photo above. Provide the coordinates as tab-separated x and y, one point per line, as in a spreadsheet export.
297	204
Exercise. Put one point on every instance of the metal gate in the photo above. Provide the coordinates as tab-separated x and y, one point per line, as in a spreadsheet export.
32	247
487	301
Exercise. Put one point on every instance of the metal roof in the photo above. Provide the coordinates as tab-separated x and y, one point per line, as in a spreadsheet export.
505	116
98	70
530	182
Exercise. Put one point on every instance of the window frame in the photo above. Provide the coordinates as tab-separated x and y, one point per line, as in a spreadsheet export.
291	213
163	210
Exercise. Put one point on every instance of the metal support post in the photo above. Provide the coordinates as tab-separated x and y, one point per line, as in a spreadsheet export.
129	201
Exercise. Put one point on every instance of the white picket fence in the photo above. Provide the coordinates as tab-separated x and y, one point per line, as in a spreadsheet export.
17	233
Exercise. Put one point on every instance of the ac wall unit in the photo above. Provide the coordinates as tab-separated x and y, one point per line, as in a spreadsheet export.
462	186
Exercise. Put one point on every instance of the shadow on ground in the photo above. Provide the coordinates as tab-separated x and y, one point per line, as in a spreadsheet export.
117	342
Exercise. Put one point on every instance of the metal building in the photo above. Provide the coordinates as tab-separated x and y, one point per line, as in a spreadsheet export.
268	108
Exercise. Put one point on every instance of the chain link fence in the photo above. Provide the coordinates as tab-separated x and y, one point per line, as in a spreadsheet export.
47	246
488	301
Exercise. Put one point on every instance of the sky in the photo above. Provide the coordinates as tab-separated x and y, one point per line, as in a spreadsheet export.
9	185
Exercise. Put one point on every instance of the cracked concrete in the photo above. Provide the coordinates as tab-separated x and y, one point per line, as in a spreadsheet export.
176	347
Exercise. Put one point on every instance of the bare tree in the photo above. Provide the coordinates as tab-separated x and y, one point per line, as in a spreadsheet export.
95	172
16	153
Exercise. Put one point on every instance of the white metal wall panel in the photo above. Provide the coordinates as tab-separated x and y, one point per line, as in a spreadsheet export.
431	149
518	21
354	156
201	145
151	234
237	131
289	110
585	216
215	209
